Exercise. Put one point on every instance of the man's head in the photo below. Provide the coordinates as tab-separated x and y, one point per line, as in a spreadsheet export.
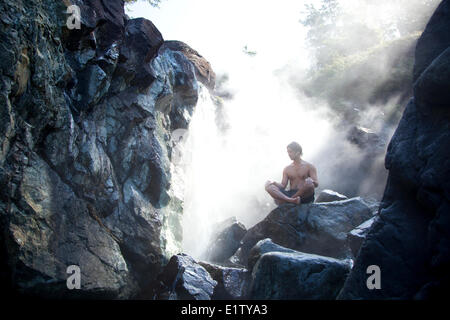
294	150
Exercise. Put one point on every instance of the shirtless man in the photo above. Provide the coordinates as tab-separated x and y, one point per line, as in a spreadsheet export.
302	177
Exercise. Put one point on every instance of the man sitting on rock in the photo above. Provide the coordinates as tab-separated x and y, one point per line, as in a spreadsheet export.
302	177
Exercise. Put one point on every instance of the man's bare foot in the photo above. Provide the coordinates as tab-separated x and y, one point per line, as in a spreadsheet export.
295	200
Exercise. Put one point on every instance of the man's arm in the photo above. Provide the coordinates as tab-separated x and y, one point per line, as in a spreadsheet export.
284	180
313	175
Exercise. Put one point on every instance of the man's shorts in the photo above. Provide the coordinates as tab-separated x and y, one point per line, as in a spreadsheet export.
290	193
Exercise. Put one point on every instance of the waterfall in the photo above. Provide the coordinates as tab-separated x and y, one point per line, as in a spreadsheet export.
225	172
200	154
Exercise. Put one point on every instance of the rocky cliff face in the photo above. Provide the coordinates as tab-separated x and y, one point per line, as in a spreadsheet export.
86	118
410	241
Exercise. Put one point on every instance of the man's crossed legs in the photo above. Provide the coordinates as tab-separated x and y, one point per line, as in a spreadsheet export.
303	195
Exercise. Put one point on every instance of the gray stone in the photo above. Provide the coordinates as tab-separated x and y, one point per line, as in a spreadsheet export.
262	247
51	229
87	170
225	240
297	276
318	228
184	279
142	41
203	70
329	196
356	237
365	138
410	240
232	283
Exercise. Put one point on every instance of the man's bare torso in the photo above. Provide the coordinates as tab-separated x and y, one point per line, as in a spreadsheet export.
297	174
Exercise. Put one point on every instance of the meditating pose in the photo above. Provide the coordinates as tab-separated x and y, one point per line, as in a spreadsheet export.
302	178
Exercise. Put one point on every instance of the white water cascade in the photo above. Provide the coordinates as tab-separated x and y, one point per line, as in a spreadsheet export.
225	172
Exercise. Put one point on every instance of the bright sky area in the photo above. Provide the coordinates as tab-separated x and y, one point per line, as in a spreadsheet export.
219	29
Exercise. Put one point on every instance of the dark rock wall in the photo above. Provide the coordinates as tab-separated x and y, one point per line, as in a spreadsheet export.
410	241
85	147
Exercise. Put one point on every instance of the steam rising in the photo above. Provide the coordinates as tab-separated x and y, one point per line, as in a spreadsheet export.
225	171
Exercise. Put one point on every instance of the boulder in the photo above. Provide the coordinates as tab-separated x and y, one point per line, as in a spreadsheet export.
365	137
329	196
140	46
262	247
237	259
184	279
297	276
101	23
410	241
318	228
86	173
232	283
178	99
203	70
225	240
434	40
50	229
356	237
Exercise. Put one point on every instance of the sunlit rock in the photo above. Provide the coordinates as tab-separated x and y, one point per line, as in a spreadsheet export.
329	196
86	149
184	279
318	228
365	138
203	71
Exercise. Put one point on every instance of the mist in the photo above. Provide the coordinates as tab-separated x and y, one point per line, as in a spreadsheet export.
280	89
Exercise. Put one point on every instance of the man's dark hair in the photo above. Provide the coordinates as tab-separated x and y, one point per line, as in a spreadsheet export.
295	147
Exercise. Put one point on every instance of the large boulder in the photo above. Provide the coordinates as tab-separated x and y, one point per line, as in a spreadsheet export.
101	23
297	276
330	196
203	69
225	240
319	228
51	229
86	166
410	242
262	247
232	283
365	138
184	279
140	46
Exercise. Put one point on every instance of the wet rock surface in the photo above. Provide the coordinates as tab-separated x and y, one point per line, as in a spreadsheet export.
185	279
86	118
85	148
262	247
365	138
410	241
232	282
356	237
300	276
226	240
203	71
318	228
329	196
